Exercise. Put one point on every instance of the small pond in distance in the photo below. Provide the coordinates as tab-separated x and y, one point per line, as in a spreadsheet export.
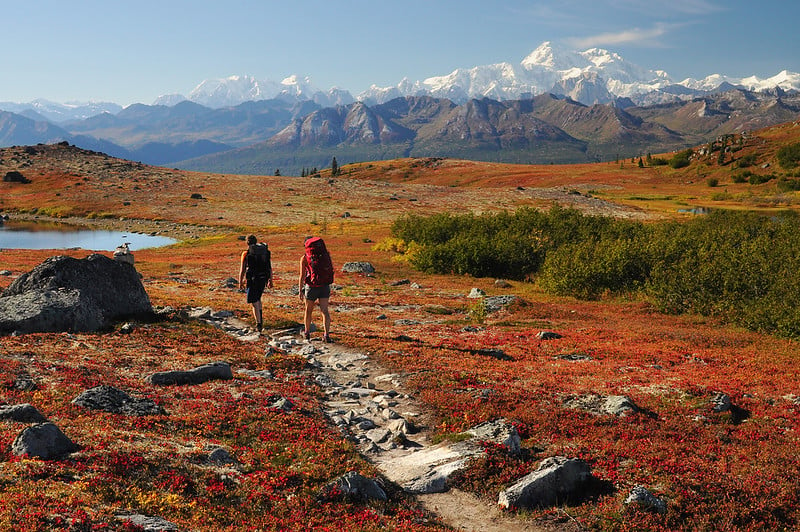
33	235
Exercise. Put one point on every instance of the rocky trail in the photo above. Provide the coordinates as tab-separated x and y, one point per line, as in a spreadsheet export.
369	406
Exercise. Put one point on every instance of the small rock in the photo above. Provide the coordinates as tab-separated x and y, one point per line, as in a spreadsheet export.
358	267
547	335
476	293
721	402
353	486
642	496
24	413
147	523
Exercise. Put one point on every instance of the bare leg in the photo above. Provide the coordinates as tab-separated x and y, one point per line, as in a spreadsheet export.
307	317
326	315
257	311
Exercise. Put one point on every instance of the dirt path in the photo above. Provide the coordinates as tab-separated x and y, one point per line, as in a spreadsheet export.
360	390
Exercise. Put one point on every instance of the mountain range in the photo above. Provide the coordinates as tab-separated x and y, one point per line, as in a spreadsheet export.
556	105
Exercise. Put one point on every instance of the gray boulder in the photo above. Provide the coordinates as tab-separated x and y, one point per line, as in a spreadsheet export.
547	335
496	303
198	375
476	293
353	486
557	479
148	523
110	399
64	294
24	413
498	431
642	497
358	267
44	440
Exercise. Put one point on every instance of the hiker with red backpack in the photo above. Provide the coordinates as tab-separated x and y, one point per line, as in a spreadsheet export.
316	277
256	268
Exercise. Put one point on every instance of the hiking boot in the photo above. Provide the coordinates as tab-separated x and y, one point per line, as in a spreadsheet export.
327	339
258	326
307	335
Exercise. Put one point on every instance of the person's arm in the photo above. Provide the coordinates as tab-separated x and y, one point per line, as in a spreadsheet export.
242	269
269	273
302	280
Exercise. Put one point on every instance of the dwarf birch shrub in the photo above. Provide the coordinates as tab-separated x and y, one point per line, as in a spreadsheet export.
739	266
591	268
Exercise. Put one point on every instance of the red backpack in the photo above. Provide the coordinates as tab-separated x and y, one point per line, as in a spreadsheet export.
320	266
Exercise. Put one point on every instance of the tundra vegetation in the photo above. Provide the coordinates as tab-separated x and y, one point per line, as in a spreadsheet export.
692	317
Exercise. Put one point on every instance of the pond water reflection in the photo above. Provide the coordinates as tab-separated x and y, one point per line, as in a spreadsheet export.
34	235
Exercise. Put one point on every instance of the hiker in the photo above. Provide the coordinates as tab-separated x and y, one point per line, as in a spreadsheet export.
256	268
316	276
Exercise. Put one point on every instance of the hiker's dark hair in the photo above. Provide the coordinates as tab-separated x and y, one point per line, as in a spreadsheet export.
251	239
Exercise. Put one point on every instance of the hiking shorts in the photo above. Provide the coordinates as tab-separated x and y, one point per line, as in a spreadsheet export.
255	289
312	293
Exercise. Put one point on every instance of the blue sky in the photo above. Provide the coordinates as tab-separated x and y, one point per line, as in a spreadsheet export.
128	52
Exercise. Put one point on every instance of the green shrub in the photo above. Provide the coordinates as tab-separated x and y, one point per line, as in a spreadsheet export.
739	266
712	182
741	177
659	161
788	185
680	159
589	269
789	156
756	179
746	160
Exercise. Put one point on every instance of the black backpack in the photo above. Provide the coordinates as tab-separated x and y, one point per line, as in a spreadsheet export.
259	265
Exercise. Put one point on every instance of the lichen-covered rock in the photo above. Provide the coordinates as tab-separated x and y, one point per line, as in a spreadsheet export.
642	497
64	294
43	440
557	479
23	413
352	485
110	399
198	375
358	267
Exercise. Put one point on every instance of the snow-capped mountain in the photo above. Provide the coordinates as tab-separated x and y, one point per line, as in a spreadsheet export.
233	90
785	80
591	76
60	112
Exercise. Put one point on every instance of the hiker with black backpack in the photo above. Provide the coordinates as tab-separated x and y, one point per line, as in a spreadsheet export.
256	268
316	277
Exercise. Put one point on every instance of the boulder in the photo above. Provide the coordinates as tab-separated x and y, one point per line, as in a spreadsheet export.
642	497
557	479
44	440
147	523
198	375
353	486
358	267
123	254
498	431
64	294
495	303
15	177
547	335
110	399
476	293
24	413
